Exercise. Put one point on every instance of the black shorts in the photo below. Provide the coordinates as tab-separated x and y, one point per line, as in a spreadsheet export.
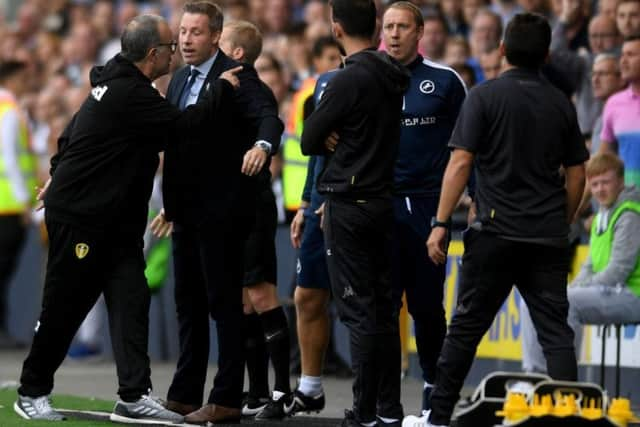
260	263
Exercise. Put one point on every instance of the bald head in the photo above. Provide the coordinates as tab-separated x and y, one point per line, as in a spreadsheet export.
603	34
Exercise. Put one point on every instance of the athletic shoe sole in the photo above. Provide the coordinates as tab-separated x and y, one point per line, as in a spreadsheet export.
127	420
20	412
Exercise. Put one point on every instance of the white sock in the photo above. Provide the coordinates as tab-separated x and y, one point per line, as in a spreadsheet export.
426	385
276	395
426	414
310	386
371	424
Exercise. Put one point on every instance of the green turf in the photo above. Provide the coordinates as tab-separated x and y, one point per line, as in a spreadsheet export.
8	418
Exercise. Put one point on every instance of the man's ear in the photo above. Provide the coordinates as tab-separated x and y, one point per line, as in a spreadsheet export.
215	37
238	53
151	55
502	49
337	30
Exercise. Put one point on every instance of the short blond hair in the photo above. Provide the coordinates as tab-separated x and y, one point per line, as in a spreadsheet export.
409	7
603	163
247	36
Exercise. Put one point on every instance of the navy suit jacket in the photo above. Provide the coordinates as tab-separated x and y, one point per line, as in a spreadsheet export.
202	175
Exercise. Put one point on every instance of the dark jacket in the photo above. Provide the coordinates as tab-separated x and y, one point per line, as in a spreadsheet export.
107	157
202	177
363	105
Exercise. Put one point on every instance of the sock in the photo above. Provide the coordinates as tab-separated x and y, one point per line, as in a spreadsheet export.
276	334
426	396
257	357
310	386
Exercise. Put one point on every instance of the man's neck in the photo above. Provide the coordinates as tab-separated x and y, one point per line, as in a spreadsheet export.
145	68
354	44
411	59
635	87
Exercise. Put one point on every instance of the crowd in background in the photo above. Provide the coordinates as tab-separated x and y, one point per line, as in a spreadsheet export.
61	39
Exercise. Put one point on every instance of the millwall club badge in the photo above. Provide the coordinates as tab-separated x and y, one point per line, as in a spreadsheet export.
82	249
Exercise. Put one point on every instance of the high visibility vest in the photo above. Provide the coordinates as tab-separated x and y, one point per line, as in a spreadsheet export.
157	254
294	167
600	246
9	205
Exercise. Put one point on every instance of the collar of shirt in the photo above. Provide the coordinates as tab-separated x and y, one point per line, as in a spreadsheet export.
630	94
413	64
520	72
204	69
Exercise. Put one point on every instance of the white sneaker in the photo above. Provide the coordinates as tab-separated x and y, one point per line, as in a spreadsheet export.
36	408
421	421
146	410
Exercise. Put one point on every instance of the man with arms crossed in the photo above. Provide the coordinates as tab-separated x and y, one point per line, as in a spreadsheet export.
358	122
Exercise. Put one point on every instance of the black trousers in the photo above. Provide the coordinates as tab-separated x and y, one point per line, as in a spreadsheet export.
12	236
490	267
358	245
422	280
81	266
208	265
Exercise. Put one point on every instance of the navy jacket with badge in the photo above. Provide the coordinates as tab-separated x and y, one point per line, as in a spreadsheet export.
102	175
429	111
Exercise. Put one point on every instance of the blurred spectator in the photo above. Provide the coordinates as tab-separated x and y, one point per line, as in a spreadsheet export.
486	32
434	38
17	180
491	64
277	16
536	6
80	51
621	115
574	18
325	57
456	51
270	71
507	9
237	10
467	74
603	37
49	106
628	17
469	10
452	12
608	8
605	81
316	10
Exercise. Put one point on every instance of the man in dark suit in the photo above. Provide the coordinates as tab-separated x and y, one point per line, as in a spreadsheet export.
212	203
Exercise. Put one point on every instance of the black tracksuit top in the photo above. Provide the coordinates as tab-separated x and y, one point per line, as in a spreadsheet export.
102	175
363	105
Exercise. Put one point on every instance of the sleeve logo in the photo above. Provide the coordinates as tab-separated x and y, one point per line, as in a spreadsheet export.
98	92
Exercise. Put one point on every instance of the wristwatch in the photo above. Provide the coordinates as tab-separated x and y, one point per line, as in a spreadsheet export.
264	146
435	223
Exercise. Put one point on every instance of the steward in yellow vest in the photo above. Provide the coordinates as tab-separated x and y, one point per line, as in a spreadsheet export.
17	180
